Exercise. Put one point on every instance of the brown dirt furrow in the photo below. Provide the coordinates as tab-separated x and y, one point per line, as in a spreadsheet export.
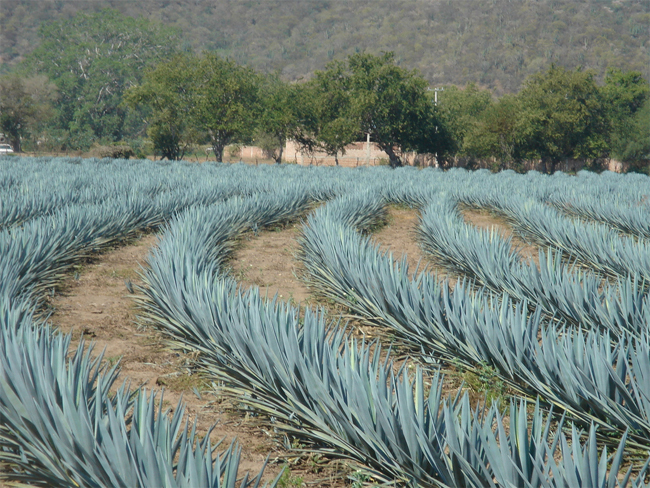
399	237
267	260
485	220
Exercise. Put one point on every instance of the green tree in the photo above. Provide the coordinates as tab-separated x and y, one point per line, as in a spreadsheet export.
563	116
192	96
624	95
93	59
330	123
168	94
459	112
225	101
25	104
636	148
372	95
391	105
279	116
497	133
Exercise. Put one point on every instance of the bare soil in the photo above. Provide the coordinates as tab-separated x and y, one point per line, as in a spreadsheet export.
399	237
267	260
486	220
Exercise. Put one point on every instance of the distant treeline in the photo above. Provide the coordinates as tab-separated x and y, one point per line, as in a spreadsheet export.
114	80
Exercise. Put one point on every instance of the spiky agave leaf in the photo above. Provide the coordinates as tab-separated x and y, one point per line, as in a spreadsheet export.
582	374
581	467
62	427
561	290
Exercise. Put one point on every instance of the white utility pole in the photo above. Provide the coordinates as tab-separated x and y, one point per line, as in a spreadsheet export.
435	103
435	95
368	149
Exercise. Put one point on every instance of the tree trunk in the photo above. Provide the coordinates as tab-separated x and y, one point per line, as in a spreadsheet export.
218	148
14	140
336	158
394	159
219	140
278	159
545	165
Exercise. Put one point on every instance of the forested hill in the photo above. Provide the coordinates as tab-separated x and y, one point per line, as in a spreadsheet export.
495	43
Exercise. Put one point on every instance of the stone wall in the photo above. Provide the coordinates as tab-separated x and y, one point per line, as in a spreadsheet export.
356	154
359	154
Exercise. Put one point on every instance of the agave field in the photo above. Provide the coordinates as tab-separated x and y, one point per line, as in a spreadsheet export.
570	336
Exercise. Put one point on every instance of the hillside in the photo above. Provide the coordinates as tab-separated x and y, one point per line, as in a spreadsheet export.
495	43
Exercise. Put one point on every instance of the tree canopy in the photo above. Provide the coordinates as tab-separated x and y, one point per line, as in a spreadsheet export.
25	105
625	95
391	105
370	94
564	115
497	132
279	115
559	114
198	98
225	102
167	92
93	59
328	123
460	111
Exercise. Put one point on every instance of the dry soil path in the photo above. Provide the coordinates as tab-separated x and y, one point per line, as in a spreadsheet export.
485	220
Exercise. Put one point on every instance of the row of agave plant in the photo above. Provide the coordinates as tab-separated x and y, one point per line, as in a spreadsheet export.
44	185
596	243
592	244
315	382
628	219
62	428
582	298
34	187
620	201
617	373
60	425
582	372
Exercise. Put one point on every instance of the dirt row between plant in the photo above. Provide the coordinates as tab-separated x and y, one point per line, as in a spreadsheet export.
486	220
399	237
268	260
